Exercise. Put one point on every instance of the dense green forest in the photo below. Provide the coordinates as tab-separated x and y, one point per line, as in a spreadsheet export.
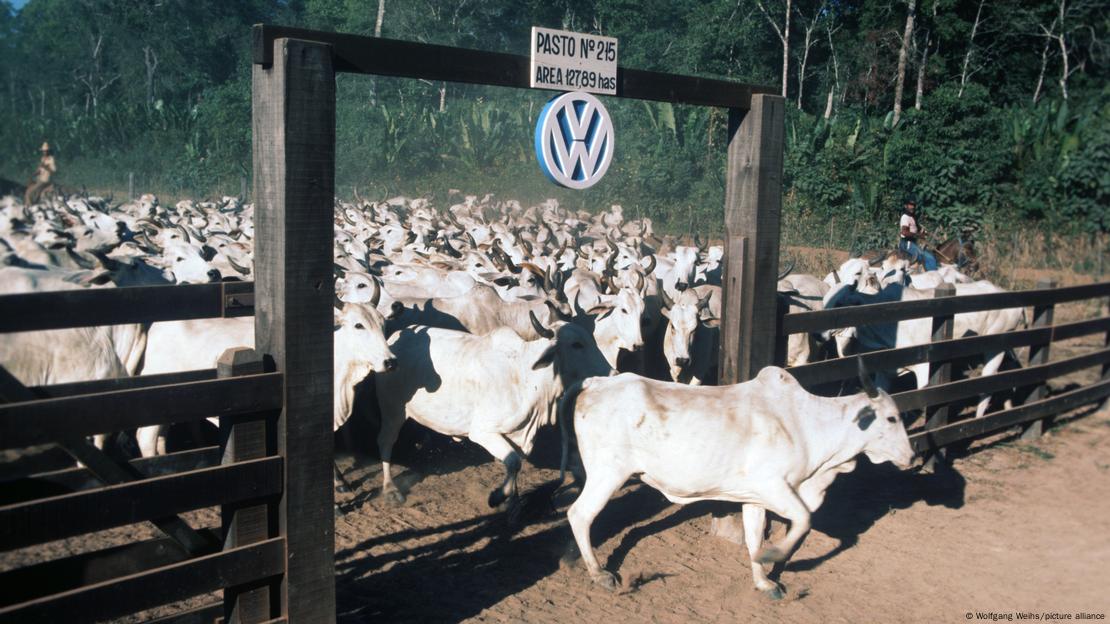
994	112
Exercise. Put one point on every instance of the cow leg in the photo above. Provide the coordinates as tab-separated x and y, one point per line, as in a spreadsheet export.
784	501
500	448
990	368
387	436
598	490
151	440
755	525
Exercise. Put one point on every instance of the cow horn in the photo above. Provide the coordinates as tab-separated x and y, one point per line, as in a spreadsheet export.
702	246
149	243
562	316
650	270
865	379
540	329
377	294
612	245
80	260
667	301
788	270
639	277
197	235
451	251
181	228
238	267
473	243
836	276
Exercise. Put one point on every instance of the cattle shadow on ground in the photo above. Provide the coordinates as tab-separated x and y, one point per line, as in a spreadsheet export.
444	581
858	500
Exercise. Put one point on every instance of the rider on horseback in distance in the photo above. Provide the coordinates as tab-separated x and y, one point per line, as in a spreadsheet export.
909	233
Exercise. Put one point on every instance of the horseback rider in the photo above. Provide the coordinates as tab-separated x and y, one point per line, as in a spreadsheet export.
909	234
41	180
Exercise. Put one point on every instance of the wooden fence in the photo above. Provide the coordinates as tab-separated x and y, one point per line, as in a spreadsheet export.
941	398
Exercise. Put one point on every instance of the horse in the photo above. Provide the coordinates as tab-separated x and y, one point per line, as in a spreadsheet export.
960	252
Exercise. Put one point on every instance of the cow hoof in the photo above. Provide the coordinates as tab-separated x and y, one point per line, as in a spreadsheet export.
496	497
775	593
770	554
606	579
394	496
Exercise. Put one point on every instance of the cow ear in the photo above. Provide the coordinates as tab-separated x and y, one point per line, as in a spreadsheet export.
865	417
546	358
711	321
601	308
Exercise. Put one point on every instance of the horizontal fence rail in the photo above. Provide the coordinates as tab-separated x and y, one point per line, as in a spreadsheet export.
116	306
875	313
47	420
390	57
975	386
923	441
67	515
152	588
845	368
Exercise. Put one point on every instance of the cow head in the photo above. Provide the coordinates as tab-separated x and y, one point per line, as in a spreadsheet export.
572	351
880	423
616	322
685	314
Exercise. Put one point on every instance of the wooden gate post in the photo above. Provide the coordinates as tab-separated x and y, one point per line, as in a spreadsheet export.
939	374
1038	354
753	201
294	187
244	524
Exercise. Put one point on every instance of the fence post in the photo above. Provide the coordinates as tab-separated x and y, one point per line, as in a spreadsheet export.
294	188
244	524
1106	367
1038	354
940	373
753	201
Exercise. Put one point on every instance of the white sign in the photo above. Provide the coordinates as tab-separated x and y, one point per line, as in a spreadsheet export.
574	140
573	61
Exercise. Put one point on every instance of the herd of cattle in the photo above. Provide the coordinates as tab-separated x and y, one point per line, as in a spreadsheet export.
487	320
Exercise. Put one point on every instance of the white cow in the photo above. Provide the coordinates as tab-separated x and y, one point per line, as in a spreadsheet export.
177	346
766	443
919	331
692	337
496	389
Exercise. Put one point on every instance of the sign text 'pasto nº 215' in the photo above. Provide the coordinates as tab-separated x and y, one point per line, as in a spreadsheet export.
571	61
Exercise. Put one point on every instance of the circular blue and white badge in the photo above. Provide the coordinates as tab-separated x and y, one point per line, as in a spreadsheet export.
574	140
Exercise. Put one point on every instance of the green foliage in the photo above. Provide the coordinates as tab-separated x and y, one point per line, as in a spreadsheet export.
977	157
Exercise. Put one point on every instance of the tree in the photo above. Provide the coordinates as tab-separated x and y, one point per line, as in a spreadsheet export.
784	36
903	51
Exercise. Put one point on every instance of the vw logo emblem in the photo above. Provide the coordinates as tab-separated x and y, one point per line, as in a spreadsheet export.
574	140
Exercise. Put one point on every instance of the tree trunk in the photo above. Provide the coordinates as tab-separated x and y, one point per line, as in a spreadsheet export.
1063	52
786	48
1044	65
970	48
829	103
381	17
921	73
443	97
151	61
802	68
903	52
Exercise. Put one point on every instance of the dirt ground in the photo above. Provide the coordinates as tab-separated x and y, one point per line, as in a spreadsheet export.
1012	526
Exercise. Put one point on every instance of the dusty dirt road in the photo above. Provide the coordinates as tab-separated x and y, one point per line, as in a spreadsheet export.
1013	526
